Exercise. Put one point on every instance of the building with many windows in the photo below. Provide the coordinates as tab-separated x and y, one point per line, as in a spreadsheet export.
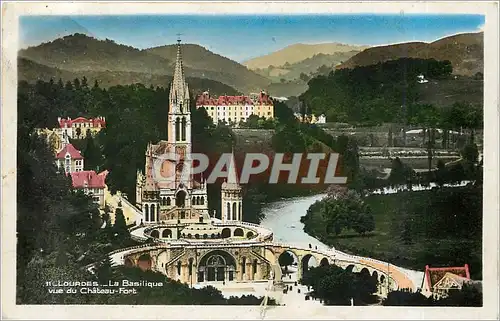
92	184
69	159
80	127
236	109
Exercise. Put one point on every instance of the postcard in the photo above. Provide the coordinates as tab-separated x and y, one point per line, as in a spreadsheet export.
251	160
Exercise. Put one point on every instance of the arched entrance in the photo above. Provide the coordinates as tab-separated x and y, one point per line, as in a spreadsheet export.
180	199
324	262
216	266
145	262
128	262
155	234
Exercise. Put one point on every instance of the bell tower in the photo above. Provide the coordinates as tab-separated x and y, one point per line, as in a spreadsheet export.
179	123
231	195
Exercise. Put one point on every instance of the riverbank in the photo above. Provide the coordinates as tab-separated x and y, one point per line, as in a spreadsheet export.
413	229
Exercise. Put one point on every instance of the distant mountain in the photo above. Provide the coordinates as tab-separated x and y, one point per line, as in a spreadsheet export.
307	68
81	54
202	63
31	71
298	52
465	51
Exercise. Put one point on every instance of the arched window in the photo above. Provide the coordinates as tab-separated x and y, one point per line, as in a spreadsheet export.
168	201
234	212
240	216
243	265
193	200
177	129
228	214
202	201
183	128
153	218
254	267
146	212
190	267
179	265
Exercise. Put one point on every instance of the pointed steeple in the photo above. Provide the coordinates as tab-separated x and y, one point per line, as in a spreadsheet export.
232	177
179	91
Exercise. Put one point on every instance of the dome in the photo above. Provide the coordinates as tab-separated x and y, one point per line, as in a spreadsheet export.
201	231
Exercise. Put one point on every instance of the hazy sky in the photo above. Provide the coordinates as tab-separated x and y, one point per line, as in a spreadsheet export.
244	37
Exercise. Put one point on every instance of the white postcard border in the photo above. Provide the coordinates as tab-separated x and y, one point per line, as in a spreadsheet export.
10	14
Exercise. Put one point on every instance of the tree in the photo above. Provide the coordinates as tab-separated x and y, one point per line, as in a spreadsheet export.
468	296
470	153
285	259
92	154
120	226
76	83
441	173
400	298
336	286
304	77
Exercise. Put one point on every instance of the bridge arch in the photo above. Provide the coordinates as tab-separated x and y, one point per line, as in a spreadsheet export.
306	263
324	262
350	268
286	259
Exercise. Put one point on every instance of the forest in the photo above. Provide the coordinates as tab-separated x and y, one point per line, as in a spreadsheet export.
136	115
385	93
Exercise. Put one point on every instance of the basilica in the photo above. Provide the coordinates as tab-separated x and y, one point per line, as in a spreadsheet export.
167	189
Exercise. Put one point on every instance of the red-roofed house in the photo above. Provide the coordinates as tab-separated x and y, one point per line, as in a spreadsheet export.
79	127
439	281
233	109
70	159
91	183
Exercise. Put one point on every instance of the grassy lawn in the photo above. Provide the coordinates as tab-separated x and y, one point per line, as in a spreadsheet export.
386	243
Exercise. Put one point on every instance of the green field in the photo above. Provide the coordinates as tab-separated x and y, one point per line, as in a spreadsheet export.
430	240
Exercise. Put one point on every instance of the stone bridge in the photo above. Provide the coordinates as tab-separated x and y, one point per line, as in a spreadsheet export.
204	262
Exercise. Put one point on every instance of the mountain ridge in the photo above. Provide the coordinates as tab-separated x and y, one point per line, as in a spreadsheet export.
81	53
297	52
465	51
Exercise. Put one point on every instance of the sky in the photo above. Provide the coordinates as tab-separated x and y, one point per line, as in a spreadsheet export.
246	36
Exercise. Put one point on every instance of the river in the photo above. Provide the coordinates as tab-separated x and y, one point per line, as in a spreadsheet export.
283	218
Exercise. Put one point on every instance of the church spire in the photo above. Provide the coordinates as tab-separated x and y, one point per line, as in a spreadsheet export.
179	91
232	176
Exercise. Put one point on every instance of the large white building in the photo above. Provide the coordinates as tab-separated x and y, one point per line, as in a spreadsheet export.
236	109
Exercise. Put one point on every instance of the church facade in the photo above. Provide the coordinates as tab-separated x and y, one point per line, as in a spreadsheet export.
167	190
